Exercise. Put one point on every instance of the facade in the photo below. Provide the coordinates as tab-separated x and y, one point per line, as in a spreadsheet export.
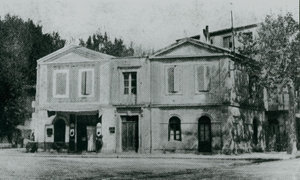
188	97
276	105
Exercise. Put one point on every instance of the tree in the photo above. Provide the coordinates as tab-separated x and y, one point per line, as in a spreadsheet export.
22	43
102	43
276	48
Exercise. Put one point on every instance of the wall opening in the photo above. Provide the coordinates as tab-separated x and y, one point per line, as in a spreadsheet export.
204	134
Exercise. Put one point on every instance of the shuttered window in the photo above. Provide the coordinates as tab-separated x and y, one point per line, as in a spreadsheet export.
61	82
86	82
171	75
203	78
174	79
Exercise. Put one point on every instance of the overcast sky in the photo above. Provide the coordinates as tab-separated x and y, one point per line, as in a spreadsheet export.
151	23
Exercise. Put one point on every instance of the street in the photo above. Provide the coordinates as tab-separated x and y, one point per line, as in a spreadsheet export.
30	166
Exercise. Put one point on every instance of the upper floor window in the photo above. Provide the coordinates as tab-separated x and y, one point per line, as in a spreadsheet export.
86	82
130	82
174	79
61	83
174	129
227	42
203	78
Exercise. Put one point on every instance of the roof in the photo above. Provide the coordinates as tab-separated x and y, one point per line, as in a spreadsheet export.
192	41
82	51
215	51
228	30
223	31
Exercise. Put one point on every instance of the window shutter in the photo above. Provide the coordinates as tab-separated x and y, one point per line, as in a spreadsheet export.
89	82
200	77
207	78
177	79
83	82
133	82
171	79
61	81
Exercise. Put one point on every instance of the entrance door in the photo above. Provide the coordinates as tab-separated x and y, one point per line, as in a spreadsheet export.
86	125
298	132
204	134
130	133
81	137
59	131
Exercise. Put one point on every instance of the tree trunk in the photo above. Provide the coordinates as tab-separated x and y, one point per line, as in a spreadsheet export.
292	139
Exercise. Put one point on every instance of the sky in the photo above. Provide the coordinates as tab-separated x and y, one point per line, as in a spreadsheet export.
149	23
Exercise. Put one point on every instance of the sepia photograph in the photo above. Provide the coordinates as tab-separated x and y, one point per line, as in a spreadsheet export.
150	89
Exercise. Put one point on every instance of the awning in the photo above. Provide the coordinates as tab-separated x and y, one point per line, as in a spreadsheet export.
72	107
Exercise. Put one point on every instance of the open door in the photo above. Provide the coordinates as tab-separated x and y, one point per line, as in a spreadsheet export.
59	131
204	134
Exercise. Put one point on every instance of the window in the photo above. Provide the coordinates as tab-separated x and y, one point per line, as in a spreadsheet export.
252	86
86	82
203	78
227	42
130	81
174	79
255	132
60	83
174	129
249	35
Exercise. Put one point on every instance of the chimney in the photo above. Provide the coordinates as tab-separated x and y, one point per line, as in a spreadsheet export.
206	34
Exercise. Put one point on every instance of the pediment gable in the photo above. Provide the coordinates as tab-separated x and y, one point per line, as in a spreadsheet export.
188	48
71	58
72	54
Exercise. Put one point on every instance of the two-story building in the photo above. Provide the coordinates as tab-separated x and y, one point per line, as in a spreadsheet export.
72	97
276	103
188	97
200	100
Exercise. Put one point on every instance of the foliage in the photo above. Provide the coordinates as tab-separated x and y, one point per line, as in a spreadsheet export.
102	43
275	49
21	44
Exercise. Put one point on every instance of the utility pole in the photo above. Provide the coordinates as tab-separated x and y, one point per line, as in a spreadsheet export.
232	29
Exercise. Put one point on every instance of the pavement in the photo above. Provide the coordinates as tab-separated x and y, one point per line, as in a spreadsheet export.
17	164
265	156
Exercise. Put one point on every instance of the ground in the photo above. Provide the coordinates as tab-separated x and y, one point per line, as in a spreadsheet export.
34	166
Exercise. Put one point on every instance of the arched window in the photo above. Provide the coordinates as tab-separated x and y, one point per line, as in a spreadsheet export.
174	129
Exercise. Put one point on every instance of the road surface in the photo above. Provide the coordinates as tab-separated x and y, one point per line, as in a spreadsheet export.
27	166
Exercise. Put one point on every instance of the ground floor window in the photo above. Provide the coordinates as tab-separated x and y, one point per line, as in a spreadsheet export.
174	129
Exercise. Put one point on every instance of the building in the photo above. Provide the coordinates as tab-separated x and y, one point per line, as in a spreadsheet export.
188	97
276	105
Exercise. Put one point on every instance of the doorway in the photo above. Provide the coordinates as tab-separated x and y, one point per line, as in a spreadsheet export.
86	132
204	134
59	131
255	132
130	138
298	132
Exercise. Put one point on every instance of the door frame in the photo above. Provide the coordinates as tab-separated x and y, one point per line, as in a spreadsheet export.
137	148
208	119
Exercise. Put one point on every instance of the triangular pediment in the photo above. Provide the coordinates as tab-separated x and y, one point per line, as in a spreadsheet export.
71	58
73	54
188	48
